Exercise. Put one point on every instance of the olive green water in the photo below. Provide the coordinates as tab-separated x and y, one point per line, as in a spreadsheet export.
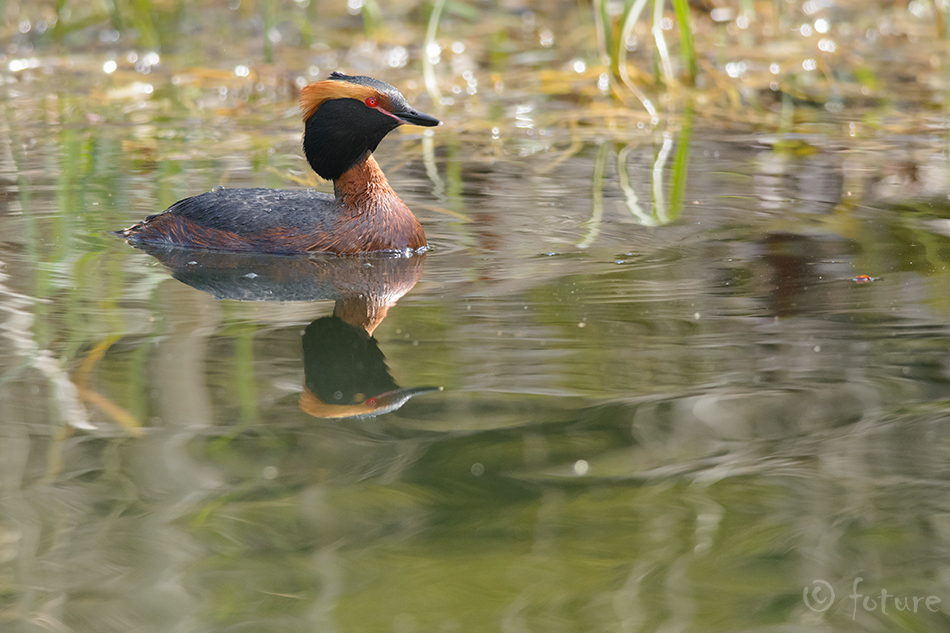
690	370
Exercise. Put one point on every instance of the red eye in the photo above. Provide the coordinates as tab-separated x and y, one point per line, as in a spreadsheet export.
372	102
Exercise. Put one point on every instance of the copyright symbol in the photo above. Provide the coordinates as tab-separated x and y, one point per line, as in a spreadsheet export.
816	600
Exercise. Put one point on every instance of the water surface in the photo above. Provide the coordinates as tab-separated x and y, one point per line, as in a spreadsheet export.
687	372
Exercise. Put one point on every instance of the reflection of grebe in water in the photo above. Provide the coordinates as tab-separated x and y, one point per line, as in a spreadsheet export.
345	373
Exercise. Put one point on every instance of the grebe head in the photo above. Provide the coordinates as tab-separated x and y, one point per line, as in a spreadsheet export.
345	117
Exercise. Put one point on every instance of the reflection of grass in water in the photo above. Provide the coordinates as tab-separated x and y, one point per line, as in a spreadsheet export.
678	174
596	198
662	212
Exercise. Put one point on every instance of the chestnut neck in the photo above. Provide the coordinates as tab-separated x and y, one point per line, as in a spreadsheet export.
371	216
363	187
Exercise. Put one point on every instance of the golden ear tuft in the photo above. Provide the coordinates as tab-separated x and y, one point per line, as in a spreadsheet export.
314	95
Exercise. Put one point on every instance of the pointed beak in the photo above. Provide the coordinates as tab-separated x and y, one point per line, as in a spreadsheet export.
392	400
415	391
417	118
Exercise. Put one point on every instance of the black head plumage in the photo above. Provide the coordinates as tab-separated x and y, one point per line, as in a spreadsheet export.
347	117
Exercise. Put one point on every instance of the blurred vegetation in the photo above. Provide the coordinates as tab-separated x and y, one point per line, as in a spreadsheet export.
732	58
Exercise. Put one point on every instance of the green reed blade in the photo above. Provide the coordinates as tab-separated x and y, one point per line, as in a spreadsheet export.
662	50
428	68
630	18
681	7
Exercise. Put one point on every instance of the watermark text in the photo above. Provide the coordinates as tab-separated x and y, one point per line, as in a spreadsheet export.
821	595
